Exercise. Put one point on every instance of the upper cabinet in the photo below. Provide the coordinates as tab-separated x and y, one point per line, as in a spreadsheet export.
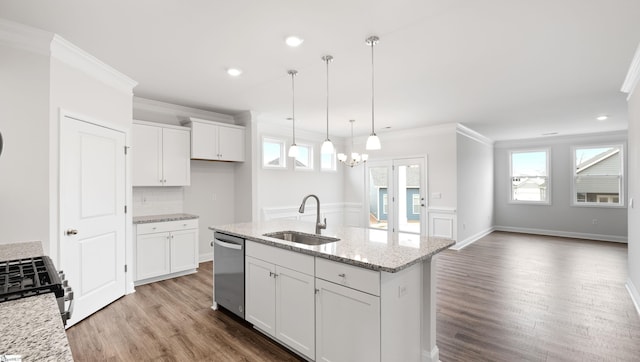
216	141
160	155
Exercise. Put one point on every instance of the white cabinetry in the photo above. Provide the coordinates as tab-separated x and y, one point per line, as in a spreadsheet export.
165	250
347	317
160	155
279	297
216	141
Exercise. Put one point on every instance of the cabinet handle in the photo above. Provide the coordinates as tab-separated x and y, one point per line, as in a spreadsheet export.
343	275
317	291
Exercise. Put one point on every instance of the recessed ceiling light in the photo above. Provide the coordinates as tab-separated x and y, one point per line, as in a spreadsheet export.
234	72
293	41
602	118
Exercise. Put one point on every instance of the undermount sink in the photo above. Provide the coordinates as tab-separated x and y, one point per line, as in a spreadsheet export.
302	238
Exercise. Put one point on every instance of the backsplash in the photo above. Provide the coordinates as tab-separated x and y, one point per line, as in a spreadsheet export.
157	200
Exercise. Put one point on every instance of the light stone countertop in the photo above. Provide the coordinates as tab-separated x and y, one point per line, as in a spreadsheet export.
162	218
366	248
32	327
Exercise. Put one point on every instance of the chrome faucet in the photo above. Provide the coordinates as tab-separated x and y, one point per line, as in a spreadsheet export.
319	225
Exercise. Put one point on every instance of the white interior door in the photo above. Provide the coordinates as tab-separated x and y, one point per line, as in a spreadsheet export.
92	218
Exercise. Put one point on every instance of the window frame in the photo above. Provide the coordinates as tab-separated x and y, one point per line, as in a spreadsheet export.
311	166
334	162
283	155
546	202
574	195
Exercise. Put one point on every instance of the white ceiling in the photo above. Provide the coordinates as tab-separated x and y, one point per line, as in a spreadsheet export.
505	68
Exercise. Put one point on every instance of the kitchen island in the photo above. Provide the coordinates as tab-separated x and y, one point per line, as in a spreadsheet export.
32	327
368	296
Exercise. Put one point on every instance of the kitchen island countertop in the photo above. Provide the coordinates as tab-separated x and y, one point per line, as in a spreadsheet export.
366	248
32	327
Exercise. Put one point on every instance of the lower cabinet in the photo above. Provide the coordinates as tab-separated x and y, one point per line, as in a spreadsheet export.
163	249
279	300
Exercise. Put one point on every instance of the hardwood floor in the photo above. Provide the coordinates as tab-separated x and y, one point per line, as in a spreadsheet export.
507	297
518	297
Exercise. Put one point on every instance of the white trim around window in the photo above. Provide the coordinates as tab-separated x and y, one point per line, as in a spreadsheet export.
273	152
530	180
304	159
597	176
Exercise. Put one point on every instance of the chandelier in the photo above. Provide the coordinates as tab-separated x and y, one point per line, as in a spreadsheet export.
354	158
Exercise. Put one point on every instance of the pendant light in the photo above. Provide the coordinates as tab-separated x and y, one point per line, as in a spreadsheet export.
327	146
293	150
354	158
373	142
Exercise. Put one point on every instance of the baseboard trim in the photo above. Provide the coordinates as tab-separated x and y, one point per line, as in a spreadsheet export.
564	234
431	356
205	257
472	239
635	296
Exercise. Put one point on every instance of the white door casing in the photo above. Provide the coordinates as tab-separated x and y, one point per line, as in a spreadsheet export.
92	201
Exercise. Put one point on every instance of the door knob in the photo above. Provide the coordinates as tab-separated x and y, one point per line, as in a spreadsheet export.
72	232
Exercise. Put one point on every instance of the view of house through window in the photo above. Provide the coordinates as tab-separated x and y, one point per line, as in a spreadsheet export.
304	159
597	175
530	176
273	153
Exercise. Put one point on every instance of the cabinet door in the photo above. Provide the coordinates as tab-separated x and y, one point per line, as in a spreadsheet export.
147	155
152	255
184	250
176	163
231	141
260	294
347	324
204	141
295	310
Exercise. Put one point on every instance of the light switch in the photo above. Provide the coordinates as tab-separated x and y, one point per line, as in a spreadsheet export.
436	195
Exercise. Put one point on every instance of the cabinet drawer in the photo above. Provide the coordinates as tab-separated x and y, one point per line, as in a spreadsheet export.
350	276
288	259
160	227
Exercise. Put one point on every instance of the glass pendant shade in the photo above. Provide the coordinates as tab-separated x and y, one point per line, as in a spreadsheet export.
293	150
327	147
373	142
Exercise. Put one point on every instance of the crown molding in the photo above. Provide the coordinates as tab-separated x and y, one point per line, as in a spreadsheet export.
633	75
468	132
179	112
68	53
24	37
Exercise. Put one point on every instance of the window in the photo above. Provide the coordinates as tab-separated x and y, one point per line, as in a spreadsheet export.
328	161
385	203
597	176
273	153
304	159
530	176
415	199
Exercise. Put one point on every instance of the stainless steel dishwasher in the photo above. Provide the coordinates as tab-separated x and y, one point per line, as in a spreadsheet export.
228	272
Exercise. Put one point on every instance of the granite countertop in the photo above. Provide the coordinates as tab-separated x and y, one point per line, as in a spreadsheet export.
162	218
366	248
32	327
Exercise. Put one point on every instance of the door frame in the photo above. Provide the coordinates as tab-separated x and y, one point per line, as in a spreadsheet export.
392	215
56	233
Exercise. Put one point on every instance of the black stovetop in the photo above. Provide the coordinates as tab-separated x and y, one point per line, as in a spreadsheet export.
27	277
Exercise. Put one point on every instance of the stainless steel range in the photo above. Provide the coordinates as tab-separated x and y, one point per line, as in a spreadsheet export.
27	277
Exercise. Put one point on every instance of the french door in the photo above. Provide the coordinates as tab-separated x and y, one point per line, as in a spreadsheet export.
396	194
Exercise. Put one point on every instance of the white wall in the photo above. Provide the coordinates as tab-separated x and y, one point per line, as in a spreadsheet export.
24	163
212	189
284	189
475	186
559	218
633	283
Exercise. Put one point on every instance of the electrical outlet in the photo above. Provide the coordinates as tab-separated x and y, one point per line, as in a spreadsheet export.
214	197
594	221
402	291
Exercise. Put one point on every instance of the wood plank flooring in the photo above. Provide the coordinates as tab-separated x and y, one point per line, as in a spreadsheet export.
507	297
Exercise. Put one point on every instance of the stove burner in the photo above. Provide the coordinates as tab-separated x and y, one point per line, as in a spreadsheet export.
27	277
